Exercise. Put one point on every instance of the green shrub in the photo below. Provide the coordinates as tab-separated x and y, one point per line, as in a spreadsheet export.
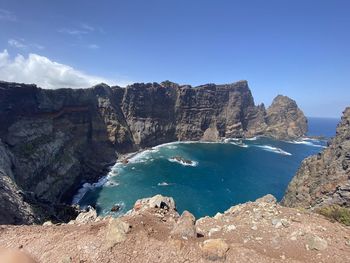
336	213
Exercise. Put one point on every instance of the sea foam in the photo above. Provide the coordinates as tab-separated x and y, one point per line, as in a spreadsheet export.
193	163
163	184
307	142
273	149
87	187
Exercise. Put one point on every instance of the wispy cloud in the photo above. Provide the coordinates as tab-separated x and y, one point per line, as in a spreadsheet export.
7	15
46	73
38	46
16	43
82	29
87	27
73	32
93	46
22	44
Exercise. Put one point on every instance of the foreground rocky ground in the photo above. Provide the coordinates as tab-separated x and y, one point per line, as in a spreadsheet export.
260	231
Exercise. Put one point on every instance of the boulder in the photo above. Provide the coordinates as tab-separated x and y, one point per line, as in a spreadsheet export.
185	226
157	201
316	243
87	216
116	232
267	199
214	249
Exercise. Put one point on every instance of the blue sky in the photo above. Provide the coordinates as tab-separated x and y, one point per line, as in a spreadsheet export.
296	48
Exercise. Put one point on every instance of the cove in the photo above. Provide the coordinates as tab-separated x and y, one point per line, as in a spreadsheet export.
219	175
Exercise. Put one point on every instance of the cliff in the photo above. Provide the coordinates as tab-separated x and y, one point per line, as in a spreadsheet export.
323	179
285	119
53	140
260	231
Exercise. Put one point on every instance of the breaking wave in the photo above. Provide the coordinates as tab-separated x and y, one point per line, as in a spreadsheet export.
163	184
307	142
273	149
192	163
251	139
87	187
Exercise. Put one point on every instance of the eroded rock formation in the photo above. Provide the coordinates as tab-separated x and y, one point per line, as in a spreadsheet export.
52	140
285	119
324	179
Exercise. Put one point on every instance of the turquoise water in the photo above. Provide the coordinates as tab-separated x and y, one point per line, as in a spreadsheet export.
221	175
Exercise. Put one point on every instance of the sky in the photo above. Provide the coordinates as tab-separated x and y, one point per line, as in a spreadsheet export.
296	48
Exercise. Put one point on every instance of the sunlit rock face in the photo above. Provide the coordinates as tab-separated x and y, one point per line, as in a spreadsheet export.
323	179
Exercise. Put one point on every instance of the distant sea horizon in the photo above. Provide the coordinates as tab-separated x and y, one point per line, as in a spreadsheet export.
322	126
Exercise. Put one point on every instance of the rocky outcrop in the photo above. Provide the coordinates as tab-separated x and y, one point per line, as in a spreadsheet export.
284	119
57	139
260	231
324	179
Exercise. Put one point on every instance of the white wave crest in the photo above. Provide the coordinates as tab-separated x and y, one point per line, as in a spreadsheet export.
87	187
141	157
251	139
236	142
273	149
243	145
306	142
192	163
163	184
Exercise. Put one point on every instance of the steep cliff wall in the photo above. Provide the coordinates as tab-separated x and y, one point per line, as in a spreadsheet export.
324	179
59	138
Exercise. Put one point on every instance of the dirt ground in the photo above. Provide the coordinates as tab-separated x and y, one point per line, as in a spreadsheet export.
260	231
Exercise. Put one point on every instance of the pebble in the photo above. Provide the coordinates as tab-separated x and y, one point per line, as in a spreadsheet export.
230	228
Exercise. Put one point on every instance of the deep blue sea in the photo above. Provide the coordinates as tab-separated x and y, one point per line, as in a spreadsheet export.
220	175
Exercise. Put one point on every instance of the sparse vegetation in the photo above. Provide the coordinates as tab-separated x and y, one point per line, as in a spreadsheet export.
336	213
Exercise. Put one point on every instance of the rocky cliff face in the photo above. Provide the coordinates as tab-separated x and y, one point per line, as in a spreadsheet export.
52	140
285	119
324	179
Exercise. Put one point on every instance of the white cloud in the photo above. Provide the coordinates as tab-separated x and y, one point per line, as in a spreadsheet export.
46	73
7	15
16	43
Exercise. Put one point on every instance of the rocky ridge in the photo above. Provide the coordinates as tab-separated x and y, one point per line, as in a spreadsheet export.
260	231
324	179
53	140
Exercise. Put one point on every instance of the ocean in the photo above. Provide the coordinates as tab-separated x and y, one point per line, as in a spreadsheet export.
215	176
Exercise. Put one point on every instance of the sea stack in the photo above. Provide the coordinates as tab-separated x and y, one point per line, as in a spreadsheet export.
285	120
